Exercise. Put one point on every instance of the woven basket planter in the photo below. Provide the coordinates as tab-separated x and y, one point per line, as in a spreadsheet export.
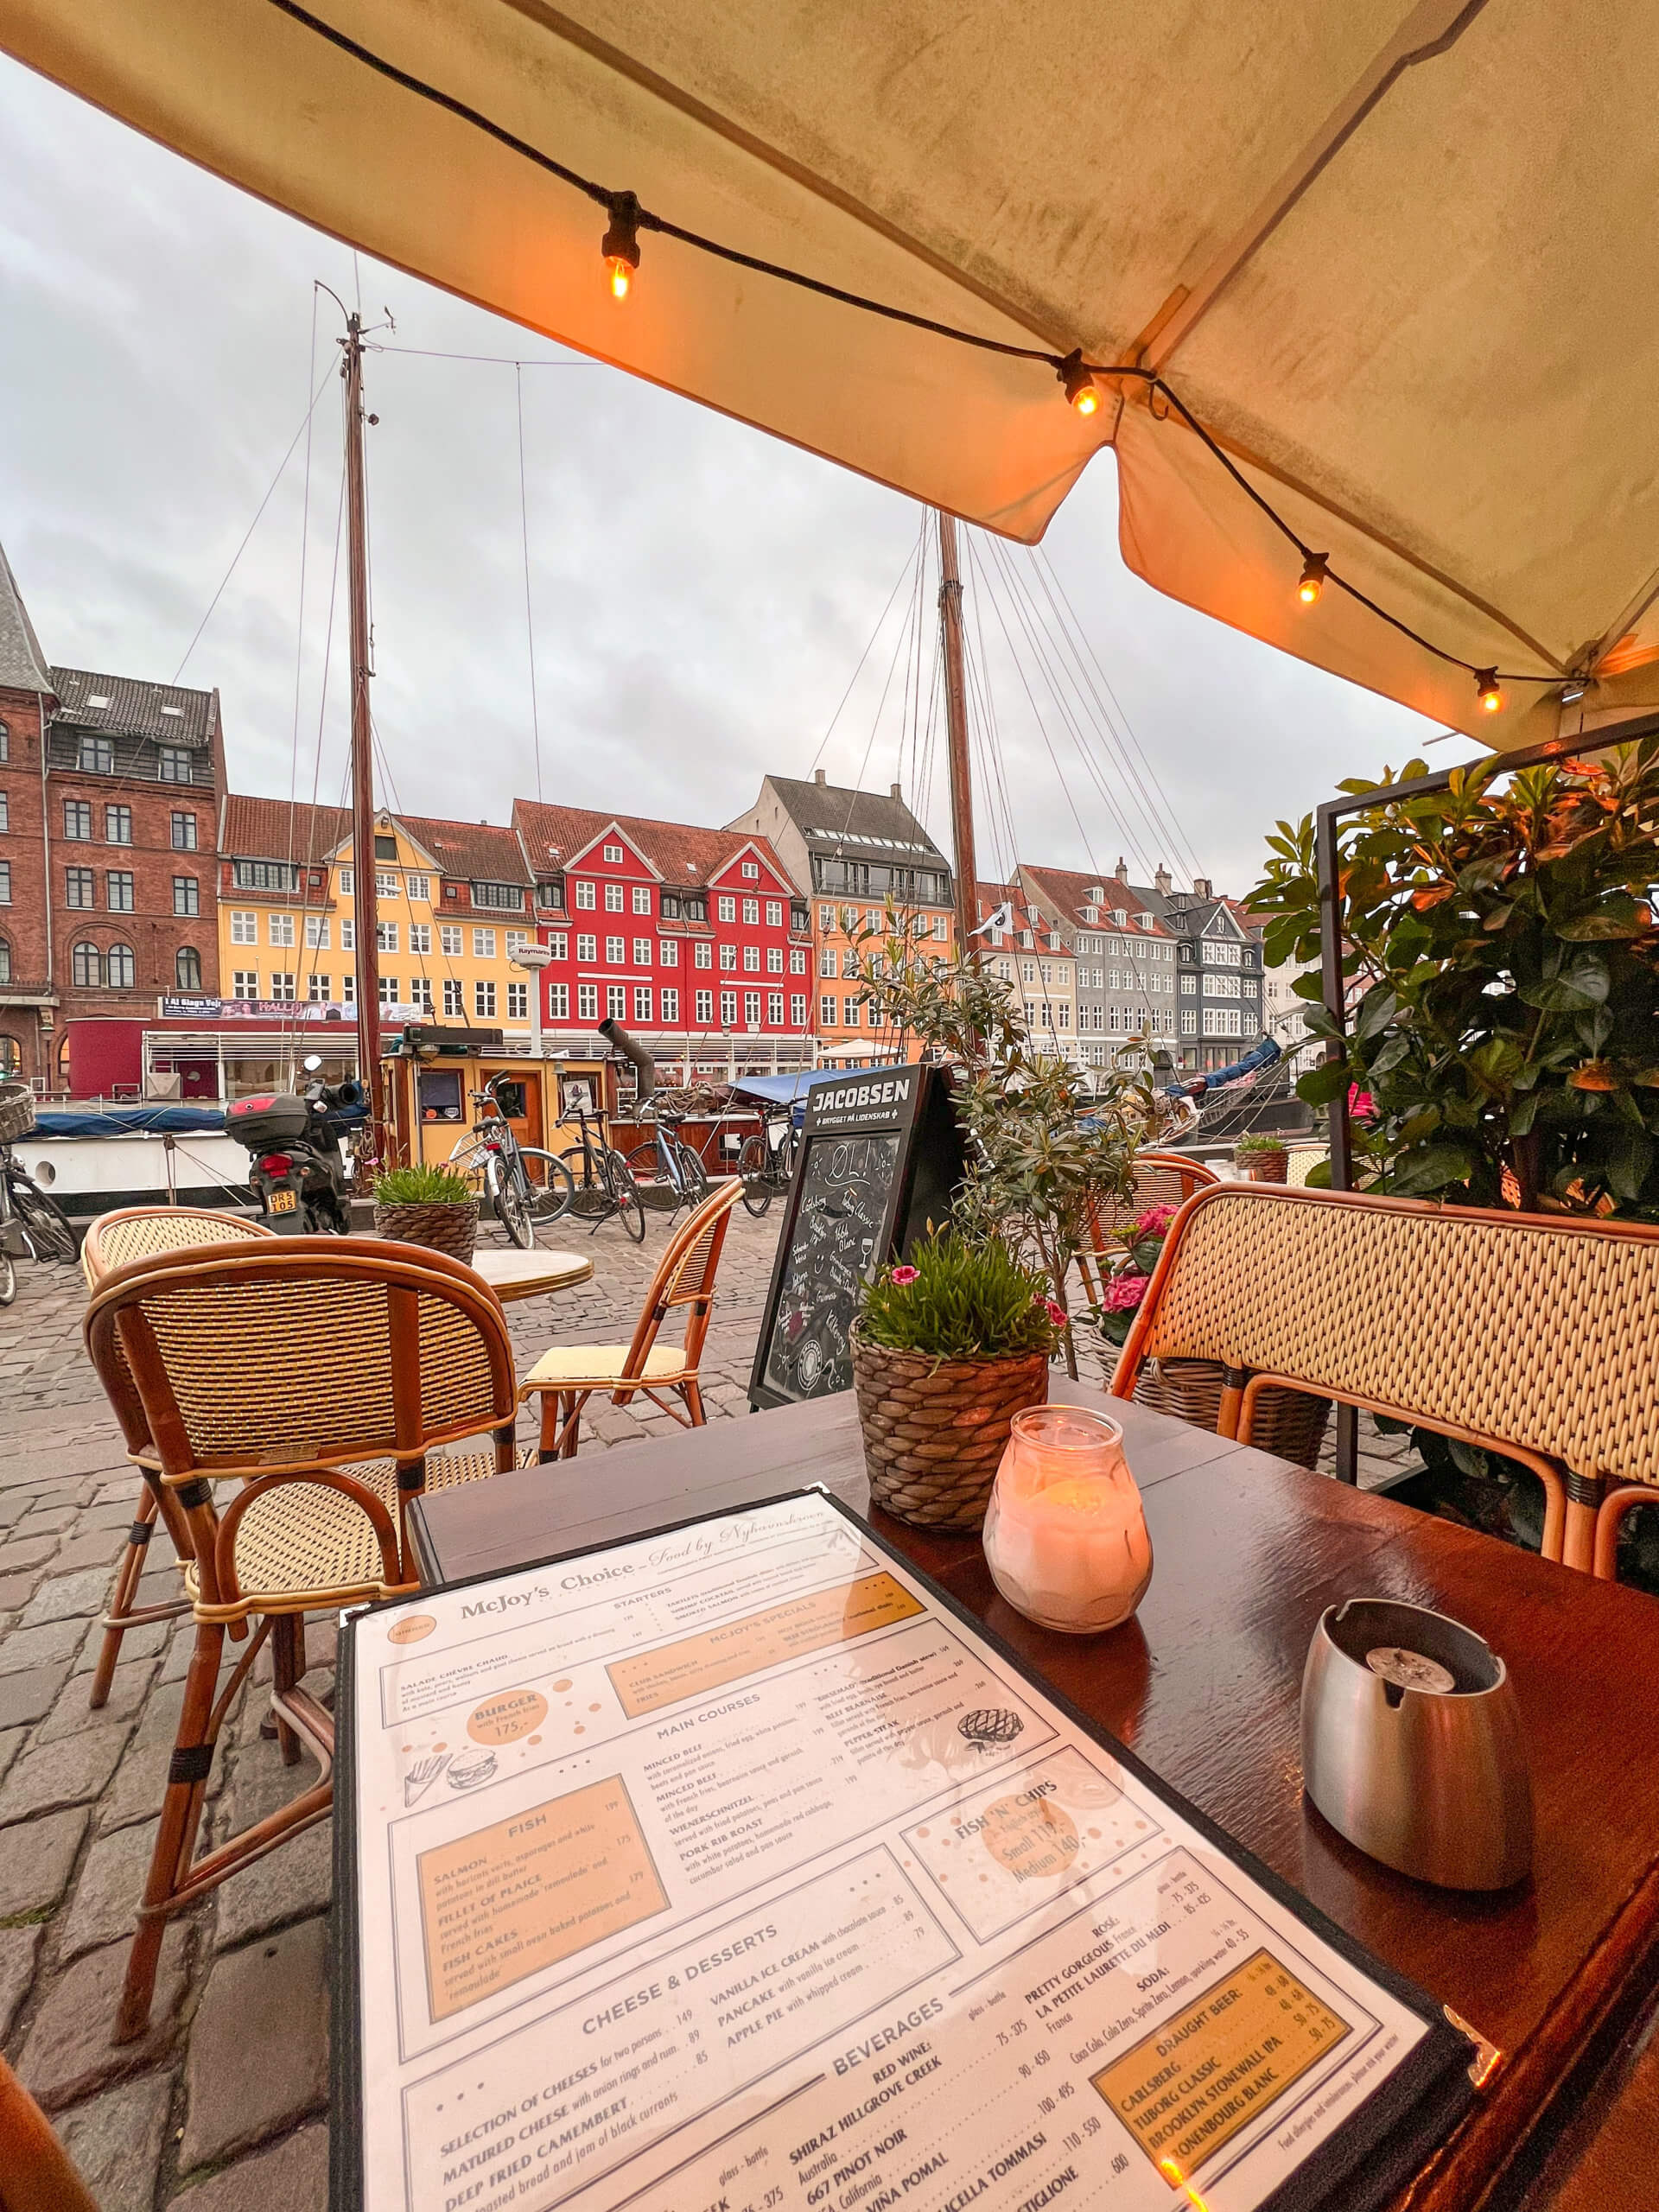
450	1227
1267	1167
1288	1423
935	1430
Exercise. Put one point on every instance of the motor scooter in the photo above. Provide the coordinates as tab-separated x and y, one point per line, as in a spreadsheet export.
301	1174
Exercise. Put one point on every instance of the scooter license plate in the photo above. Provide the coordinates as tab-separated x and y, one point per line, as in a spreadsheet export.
283	1201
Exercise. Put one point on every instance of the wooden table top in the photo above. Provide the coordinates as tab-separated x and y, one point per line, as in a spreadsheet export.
512	1274
1205	1683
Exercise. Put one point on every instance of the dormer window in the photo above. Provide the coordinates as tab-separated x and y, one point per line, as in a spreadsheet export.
1091	915
1144	920
1120	915
1097	894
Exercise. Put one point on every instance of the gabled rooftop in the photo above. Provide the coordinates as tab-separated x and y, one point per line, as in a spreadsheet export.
865	825
685	855
124	706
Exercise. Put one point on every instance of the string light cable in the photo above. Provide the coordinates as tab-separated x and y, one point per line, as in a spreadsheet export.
1080	378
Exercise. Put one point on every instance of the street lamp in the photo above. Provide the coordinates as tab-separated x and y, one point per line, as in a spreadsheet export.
533	958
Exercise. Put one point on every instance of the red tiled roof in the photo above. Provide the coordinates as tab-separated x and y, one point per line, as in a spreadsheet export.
272	829
1069	891
477	852
681	852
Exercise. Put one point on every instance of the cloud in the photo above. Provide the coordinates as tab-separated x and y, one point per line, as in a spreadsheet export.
701	593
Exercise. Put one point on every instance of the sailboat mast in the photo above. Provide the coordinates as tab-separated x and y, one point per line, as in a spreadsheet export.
956	718
363	892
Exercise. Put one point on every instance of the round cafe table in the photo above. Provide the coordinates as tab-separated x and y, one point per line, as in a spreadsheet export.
512	1274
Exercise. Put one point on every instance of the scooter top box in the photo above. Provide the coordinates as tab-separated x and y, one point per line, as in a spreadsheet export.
269	1119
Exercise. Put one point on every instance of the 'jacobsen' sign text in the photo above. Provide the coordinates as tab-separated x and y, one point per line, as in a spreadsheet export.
879	1159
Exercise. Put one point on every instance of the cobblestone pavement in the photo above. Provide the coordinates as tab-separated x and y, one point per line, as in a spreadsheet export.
224	2104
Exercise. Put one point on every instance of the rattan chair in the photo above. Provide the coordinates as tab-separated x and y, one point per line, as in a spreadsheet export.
37	2172
1161	1178
319	1374
565	1378
1533	1335
117	1240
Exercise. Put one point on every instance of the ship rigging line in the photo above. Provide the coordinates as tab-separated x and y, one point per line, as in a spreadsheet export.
270	490
880	620
524	539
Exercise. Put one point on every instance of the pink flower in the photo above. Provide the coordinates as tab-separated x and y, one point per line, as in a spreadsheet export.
1124	1293
1361	1104
903	1277
1156	1220
1057	1313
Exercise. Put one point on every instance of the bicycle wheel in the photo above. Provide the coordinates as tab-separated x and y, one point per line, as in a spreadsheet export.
695	1176
8	1279
589	1198
754	1169
45	1223
511	1206
625	1195
551	1189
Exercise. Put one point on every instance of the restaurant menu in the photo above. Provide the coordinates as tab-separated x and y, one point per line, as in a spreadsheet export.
734	1870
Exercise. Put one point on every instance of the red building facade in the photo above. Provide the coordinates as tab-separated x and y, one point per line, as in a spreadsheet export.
694	939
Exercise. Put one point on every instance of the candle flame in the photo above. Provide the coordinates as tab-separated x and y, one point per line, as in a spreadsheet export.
1177	2179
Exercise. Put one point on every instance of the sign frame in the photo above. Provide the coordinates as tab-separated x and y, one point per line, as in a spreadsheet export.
912	1102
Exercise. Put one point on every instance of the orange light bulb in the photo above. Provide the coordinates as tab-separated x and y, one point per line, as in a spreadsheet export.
1487	692
1087	400
1313	578
621	276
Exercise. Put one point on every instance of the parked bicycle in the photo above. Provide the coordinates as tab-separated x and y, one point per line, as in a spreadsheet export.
602	1180
29	1220
527	1188
667	1172
766	1162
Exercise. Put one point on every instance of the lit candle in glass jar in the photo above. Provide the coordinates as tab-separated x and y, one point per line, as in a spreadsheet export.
1065	1538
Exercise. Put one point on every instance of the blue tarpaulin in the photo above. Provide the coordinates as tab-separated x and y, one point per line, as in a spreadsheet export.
154	1121
785	1089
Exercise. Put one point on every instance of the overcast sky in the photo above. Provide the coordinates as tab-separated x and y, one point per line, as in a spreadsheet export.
701	595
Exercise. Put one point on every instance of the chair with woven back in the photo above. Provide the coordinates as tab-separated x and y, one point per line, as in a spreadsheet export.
1160	1178
566	1377
117	1240
1532	1335
321	1377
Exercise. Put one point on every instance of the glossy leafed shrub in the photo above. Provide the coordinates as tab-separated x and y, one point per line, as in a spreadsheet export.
1502	978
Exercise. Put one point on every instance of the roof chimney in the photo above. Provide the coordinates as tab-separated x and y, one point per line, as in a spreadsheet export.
817	775
897	791
1122	869
1202	885
1162	880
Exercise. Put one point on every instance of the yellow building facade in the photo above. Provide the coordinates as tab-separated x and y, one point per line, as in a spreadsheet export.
453	902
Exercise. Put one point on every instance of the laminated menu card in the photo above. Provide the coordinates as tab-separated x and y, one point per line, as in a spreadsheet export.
735	1869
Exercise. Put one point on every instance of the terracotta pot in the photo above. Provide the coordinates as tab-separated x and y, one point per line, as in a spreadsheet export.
450	1226
934	1430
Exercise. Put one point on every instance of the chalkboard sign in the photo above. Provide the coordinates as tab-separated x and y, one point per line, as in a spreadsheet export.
880	1158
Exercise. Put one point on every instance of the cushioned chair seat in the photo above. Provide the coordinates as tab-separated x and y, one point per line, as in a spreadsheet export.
597	1367
304	1537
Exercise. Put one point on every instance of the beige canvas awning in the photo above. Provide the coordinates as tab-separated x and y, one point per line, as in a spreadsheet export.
1400	259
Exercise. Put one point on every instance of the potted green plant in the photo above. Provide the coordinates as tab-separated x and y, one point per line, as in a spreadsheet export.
1262	1157
947	1347
1046	1153
1502	969
432	1206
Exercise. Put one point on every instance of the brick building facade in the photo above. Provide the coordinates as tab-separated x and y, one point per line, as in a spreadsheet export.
107	881
28	1001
